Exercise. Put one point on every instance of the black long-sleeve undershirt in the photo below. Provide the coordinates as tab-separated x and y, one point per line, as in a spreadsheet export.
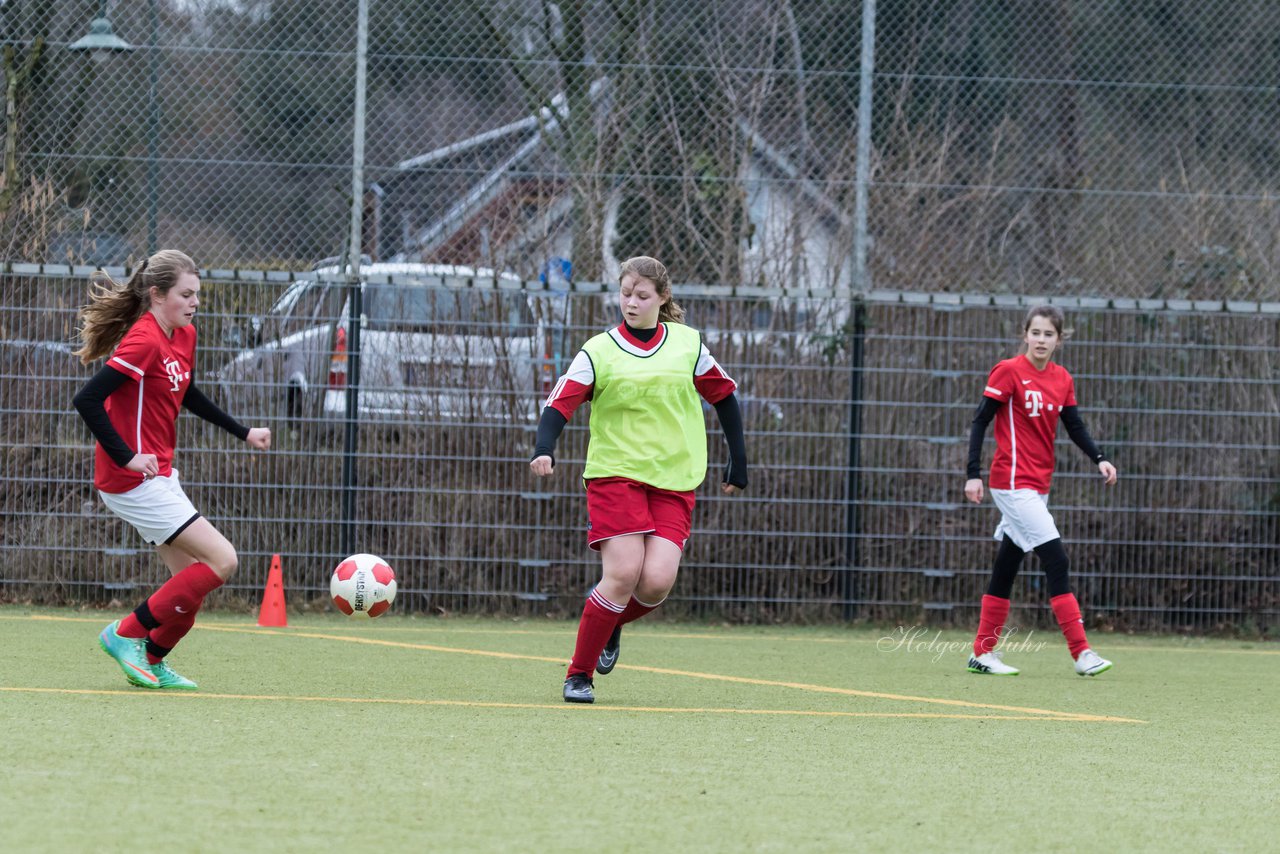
550	426
196	403
90	402
1079	434
552	423
987	410
730	415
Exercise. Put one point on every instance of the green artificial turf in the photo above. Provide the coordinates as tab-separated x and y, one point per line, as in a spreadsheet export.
449	734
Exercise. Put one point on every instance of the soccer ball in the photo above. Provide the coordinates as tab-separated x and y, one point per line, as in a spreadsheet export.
363	586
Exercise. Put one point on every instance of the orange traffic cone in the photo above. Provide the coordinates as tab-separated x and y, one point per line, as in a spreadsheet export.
272	612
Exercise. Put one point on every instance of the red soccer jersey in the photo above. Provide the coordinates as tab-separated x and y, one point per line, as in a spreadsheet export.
1027	422
145	411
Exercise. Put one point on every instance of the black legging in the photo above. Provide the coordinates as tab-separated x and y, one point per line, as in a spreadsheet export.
1053	558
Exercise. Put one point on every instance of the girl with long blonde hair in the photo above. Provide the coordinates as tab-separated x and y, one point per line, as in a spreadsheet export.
131	405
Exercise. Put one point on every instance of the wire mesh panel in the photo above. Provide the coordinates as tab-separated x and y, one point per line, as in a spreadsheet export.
857	416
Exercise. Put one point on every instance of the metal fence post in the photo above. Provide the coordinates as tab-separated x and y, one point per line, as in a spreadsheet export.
849	585
351	437
862	168
861	285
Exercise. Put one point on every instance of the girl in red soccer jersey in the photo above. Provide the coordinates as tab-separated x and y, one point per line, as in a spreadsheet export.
646	456
131	406
1027	395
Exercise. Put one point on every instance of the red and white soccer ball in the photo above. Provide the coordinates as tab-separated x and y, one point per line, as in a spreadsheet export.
363	586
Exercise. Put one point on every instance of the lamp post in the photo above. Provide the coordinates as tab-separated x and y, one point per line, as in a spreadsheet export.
100	43
153	135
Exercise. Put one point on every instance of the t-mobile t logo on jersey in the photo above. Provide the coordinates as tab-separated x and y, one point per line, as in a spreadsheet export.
176	375
1034	400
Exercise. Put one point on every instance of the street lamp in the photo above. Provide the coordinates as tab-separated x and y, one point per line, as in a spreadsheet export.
100	43
102	39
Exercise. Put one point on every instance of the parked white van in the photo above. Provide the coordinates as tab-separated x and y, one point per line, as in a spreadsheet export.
436	342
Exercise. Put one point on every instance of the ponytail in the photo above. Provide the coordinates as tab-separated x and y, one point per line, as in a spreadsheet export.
671	311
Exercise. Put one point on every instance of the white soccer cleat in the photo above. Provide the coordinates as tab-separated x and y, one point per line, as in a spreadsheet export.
1089	663
991	663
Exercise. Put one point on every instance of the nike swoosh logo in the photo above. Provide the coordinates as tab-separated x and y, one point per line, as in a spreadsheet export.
179	610
1026	382
145	674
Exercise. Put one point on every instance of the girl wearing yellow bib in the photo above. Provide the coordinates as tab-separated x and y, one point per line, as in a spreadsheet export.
646	380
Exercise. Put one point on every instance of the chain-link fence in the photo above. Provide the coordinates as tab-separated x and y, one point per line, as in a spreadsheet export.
1115	148
1063	147
856	416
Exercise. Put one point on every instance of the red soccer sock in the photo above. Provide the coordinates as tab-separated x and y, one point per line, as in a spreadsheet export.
166	637
599	616
1067	610
130	627
994	613
182	595
635	610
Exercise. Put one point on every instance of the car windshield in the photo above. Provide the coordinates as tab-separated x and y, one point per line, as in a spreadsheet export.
284	305
397	308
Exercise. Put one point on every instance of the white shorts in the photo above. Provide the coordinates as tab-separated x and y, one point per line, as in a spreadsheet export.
1024	518
157	508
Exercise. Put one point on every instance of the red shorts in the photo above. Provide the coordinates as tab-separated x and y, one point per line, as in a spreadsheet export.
617	506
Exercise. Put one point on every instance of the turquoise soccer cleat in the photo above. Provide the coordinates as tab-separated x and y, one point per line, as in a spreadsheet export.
167	677
130	654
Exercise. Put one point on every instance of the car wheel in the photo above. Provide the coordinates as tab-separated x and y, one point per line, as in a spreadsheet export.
294	404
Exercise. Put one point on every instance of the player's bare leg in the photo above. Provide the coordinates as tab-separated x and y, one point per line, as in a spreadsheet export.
202	552
622	561
657	577
200	542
